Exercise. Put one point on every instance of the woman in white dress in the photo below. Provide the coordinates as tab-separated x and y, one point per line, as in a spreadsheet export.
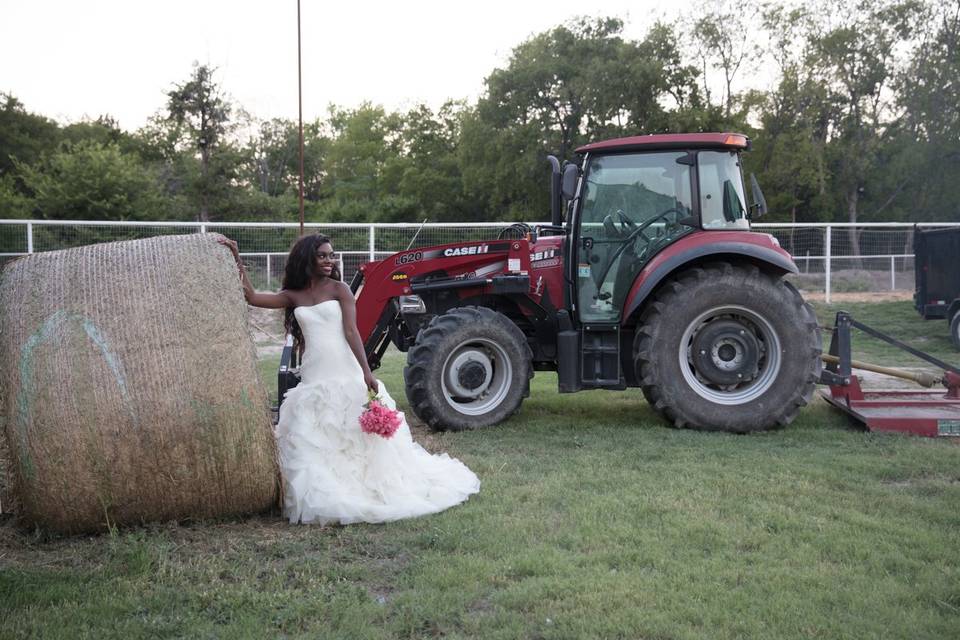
333	472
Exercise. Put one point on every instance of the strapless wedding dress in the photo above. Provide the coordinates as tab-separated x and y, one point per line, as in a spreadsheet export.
333	472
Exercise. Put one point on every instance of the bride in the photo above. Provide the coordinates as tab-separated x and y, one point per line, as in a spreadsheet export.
333	472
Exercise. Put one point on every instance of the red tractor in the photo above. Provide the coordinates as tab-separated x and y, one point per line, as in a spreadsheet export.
651	279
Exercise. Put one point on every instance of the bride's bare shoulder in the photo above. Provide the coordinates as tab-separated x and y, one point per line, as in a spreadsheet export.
342	291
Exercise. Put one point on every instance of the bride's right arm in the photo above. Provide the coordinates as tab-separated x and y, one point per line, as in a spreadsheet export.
265	300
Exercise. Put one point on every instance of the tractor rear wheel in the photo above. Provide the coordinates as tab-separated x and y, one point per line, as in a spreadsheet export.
470	367
728	348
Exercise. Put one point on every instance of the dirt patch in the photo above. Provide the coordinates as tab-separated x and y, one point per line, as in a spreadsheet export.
859	296
266	330
879	381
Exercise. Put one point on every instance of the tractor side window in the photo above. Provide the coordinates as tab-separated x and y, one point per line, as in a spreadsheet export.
631	207
722	203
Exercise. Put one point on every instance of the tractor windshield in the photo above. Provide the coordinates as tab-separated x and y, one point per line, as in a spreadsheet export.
631	208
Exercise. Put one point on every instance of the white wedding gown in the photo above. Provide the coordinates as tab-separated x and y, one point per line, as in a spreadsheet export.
333	472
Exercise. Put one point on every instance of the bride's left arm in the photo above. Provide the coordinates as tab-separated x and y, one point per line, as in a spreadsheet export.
348	305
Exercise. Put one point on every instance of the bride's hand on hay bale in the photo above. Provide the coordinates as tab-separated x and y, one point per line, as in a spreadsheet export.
235	250
229	244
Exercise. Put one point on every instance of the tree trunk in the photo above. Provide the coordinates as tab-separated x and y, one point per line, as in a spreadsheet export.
853	198
204	186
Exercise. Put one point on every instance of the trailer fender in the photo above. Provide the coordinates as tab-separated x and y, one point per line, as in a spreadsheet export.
667	262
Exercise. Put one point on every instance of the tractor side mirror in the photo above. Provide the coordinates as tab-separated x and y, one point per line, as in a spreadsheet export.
759	206
569	181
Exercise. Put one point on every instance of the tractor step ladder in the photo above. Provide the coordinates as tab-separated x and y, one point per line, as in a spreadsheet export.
600	357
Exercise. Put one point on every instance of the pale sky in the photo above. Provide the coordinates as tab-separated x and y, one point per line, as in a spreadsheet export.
73	59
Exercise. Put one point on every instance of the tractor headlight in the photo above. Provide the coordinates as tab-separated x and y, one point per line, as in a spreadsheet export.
412	304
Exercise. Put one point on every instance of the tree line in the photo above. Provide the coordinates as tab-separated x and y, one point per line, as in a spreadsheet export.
859	121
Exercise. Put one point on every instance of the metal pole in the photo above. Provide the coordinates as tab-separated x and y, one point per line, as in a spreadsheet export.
826	269
893	281
373	244
300	100
29	237
269	272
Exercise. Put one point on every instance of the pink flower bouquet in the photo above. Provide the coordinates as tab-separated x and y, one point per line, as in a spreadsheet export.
378	418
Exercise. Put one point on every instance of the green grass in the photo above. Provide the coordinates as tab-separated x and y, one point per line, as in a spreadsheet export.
594	520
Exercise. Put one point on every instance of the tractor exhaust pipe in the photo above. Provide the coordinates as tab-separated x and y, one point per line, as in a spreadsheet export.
923	378
556	202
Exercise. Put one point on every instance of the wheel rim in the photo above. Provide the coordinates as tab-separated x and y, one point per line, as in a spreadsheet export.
729	352
476	377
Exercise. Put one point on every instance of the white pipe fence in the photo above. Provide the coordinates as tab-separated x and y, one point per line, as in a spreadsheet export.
832	258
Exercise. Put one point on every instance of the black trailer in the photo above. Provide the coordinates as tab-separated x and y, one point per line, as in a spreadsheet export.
937	268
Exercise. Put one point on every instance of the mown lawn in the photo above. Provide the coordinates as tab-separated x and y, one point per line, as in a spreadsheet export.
594	520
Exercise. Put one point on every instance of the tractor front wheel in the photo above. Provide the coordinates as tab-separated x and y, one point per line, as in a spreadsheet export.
728	348
470	367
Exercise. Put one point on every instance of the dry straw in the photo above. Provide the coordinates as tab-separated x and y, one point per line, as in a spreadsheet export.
129	386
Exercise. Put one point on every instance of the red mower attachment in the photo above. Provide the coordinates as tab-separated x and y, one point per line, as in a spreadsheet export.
921	413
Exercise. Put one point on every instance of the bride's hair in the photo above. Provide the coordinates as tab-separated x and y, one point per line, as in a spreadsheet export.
299	272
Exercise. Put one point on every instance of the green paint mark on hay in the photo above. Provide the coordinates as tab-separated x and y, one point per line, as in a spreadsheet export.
50	325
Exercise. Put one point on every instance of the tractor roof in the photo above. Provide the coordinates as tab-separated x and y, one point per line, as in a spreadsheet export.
670	141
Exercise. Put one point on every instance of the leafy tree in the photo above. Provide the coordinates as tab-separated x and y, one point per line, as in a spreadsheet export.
789	152
13	203
425	174
362	142
928	93
24	136
92	181
852	48
562	88
274	158
724	40
198	121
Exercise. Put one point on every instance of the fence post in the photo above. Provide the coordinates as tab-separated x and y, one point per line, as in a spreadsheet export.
826	268
29	237
373	243
269	286
893	281
203	228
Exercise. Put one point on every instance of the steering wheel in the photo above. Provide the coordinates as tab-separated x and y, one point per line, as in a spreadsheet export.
626	223
629	238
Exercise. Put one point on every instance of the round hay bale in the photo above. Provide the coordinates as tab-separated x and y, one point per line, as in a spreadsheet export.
129	386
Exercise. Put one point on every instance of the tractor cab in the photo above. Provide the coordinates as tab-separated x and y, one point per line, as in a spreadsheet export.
639	210
633	197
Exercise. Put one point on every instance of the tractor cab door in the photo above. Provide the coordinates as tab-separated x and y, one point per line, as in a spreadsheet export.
631	206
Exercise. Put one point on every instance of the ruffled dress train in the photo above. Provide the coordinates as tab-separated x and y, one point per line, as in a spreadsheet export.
333	472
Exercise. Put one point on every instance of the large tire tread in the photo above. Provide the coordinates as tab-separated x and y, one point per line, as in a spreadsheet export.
677	302
432	345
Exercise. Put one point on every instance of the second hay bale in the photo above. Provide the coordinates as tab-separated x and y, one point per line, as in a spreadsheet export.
131	392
